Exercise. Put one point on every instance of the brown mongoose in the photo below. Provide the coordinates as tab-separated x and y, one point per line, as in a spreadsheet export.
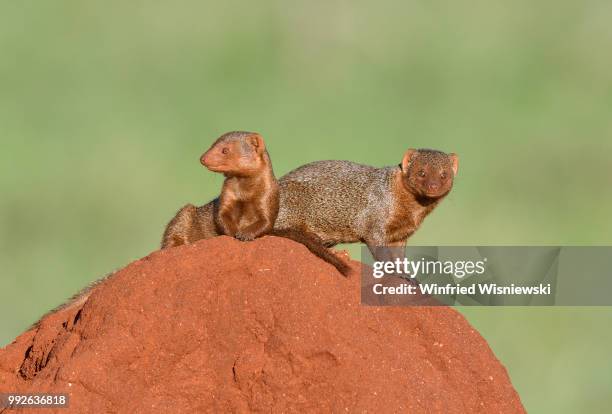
78	299
248	204
345	202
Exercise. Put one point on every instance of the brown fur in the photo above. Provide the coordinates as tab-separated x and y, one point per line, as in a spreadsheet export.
248	204
345	202
78	299
191	223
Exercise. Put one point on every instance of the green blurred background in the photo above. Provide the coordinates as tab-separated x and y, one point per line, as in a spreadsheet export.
105	108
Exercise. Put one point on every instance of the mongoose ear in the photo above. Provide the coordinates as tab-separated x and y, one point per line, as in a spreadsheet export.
257	142
454	158
406	160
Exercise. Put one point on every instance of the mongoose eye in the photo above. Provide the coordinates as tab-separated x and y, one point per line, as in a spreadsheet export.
225	150
421	173
443	175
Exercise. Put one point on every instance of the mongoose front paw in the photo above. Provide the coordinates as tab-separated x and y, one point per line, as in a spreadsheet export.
244	237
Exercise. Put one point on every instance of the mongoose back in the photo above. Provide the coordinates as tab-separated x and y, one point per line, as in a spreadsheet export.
345	202
249	201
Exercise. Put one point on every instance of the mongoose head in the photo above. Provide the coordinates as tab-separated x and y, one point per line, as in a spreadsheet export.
237	153
429	173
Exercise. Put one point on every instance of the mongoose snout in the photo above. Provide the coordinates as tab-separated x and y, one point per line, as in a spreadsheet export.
235	154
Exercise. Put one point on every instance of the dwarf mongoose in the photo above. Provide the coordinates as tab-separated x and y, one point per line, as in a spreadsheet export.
345	202
249	201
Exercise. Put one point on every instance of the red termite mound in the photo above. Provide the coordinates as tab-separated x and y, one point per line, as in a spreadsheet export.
262	326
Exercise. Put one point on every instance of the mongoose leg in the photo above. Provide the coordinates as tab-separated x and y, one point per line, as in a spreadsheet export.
254	230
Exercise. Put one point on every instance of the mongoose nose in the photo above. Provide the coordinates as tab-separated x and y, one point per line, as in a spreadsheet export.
203	159
432	186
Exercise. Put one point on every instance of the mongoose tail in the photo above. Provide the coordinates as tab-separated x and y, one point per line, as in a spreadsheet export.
316	247
78	299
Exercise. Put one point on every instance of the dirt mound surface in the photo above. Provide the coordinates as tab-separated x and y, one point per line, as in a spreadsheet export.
263	326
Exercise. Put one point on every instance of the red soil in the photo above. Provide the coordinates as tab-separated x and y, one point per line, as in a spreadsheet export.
263	326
